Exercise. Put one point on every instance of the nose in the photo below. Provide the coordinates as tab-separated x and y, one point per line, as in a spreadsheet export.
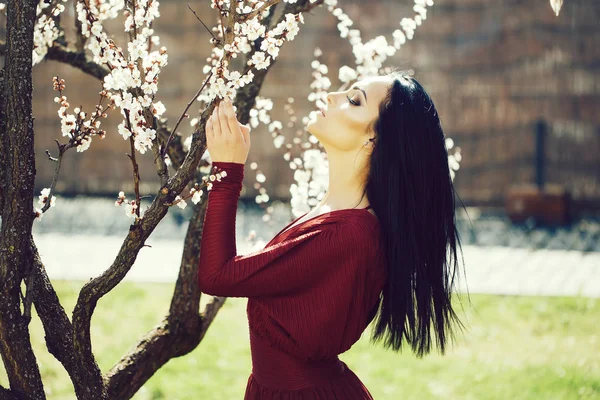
329	99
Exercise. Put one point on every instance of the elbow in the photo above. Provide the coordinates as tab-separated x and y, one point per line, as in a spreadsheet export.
209	284
205	283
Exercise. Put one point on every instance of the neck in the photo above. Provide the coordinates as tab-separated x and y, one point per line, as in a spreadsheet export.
347	176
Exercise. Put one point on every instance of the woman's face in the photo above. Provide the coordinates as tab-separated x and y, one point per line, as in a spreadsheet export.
348	114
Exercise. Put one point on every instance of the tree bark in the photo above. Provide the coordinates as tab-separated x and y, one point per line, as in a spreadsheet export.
87	382
6	394
17	147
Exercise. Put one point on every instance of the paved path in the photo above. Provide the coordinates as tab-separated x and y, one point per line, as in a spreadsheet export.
499	270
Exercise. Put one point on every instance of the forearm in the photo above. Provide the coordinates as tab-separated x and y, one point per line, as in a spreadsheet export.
218	234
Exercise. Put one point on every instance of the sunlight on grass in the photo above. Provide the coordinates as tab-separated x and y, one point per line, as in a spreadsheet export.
514	348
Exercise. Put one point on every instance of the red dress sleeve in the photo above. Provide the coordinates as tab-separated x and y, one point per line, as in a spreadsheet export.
290	266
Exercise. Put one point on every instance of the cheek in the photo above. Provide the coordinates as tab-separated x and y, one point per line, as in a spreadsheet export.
354	122
342	129
346	128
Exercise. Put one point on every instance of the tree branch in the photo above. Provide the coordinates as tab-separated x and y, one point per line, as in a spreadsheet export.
61	152
309	6
59	332
136	170
80	39
77	60
250	15
203	24
163	151
179	333
6	394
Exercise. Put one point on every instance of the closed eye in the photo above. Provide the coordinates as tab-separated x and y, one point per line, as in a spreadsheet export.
354	103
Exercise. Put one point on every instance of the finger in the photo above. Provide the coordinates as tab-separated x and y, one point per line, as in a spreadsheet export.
215	123
209	129
223	119
234	125
245	132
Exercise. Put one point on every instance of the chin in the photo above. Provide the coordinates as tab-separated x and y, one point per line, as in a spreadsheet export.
313	125
313	128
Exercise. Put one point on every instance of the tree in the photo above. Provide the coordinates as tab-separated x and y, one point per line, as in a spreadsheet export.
251	30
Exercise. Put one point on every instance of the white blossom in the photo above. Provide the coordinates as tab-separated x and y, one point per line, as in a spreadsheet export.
347	74
180	202
159	108
84	144
43	198
67	124
38	211
130	209
260	60
124	131
196	196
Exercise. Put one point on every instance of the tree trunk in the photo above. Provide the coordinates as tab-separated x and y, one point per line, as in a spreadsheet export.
18	177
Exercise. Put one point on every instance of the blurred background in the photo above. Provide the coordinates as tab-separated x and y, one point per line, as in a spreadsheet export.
517	89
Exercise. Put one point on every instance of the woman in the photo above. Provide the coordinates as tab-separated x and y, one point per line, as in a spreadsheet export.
383	239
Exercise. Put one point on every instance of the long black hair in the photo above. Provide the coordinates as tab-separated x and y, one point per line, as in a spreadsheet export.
410	189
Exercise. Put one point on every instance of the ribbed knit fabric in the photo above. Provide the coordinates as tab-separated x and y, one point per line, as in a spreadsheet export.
311	292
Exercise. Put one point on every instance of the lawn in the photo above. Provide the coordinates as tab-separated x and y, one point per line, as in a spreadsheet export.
515	348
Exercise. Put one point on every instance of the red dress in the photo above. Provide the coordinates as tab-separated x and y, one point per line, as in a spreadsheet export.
311	293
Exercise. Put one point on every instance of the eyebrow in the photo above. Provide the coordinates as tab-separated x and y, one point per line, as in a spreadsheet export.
362	90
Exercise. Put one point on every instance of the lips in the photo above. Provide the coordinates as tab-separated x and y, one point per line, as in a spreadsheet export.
322	110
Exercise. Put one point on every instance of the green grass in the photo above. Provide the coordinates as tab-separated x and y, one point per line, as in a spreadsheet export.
514	348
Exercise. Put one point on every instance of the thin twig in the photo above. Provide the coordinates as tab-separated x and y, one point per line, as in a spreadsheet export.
310	6
50	156
163	151
150	38
136	171
209	31
252	14
61	152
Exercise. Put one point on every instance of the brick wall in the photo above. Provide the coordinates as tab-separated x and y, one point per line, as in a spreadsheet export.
493	69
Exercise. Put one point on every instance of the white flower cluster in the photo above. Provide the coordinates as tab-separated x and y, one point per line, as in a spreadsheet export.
223	83
74	126
262	196
320	83
196	193
371	55
261	111
125	75
294	1
45	31
130	206
453	159
42	200
347	74
219	4
107	9
311	181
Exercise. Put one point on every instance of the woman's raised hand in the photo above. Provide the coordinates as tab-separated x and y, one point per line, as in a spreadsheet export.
226	139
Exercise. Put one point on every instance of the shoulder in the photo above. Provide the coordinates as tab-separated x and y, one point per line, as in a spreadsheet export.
360	222
357	230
